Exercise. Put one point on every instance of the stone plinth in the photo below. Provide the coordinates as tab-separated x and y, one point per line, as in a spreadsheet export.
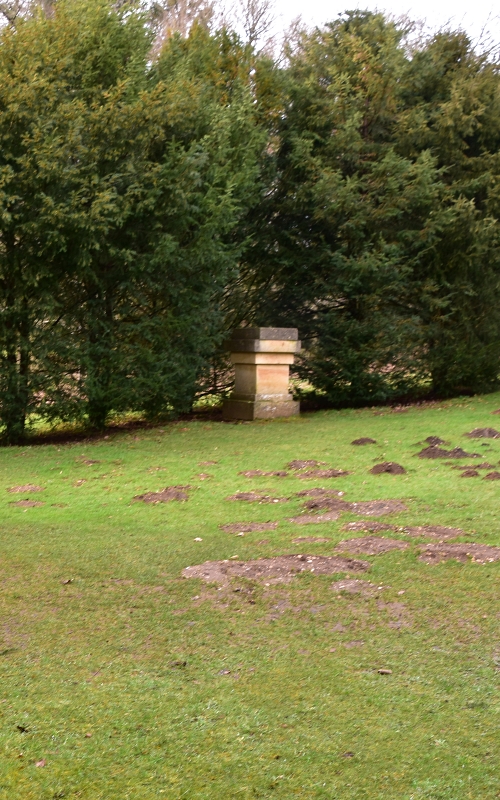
262	358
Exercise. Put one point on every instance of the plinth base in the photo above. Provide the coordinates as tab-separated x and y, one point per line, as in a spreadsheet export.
259	409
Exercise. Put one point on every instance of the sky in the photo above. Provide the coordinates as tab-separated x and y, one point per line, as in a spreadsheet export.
475	17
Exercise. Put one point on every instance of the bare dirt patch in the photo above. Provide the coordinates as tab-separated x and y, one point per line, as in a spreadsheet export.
388	466
256	497
370	546
297	464
441	532
372	508
204	476
369	525
377	508
311	519
324	473
280	569
437	452
27	489
483	433
492	476
364	440
27	503
470	551
434	441
470	473
207	463
179	493
497	411
89	462
302	539
258	473
248	527
355	586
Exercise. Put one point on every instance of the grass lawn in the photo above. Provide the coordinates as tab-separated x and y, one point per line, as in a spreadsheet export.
122	679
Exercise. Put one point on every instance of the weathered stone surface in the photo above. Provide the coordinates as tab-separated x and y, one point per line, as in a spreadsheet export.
262	358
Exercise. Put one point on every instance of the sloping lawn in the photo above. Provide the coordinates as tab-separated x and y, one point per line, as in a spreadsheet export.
122	679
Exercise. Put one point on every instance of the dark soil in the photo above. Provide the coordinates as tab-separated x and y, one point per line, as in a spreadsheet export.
483	433
479	553
364	440
369	525
497	411
166	495
301	539
435	532
257	473
437	452
256	497
302	464
388	466
306	519
280	569
27	503
370	546
248	527
325	503
28	488
354	586
470	473
323	473
434	441
492	476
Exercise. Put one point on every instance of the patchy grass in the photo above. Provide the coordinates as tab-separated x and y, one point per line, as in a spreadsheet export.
121	679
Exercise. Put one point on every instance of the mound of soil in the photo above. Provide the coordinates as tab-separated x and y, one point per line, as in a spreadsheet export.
325	503
364	440
479	553
257	473
437	452
370	546
388	466
28	488
372	508
435	532
27	503
301	539
303	464
434	441
307	519
470	473
280	569
179	493
248	527
369	525
378	508
354	586
323	473
492	476
256	497
483	433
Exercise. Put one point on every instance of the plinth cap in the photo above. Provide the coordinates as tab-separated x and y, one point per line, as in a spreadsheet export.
283	334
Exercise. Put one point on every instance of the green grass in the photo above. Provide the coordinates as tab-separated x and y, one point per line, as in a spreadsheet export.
92	674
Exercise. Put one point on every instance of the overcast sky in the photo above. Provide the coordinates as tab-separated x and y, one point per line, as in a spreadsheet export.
472	16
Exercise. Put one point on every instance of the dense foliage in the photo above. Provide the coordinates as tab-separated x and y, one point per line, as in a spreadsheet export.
156	191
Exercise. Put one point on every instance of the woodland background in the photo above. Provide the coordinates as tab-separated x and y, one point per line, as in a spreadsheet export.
167	174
